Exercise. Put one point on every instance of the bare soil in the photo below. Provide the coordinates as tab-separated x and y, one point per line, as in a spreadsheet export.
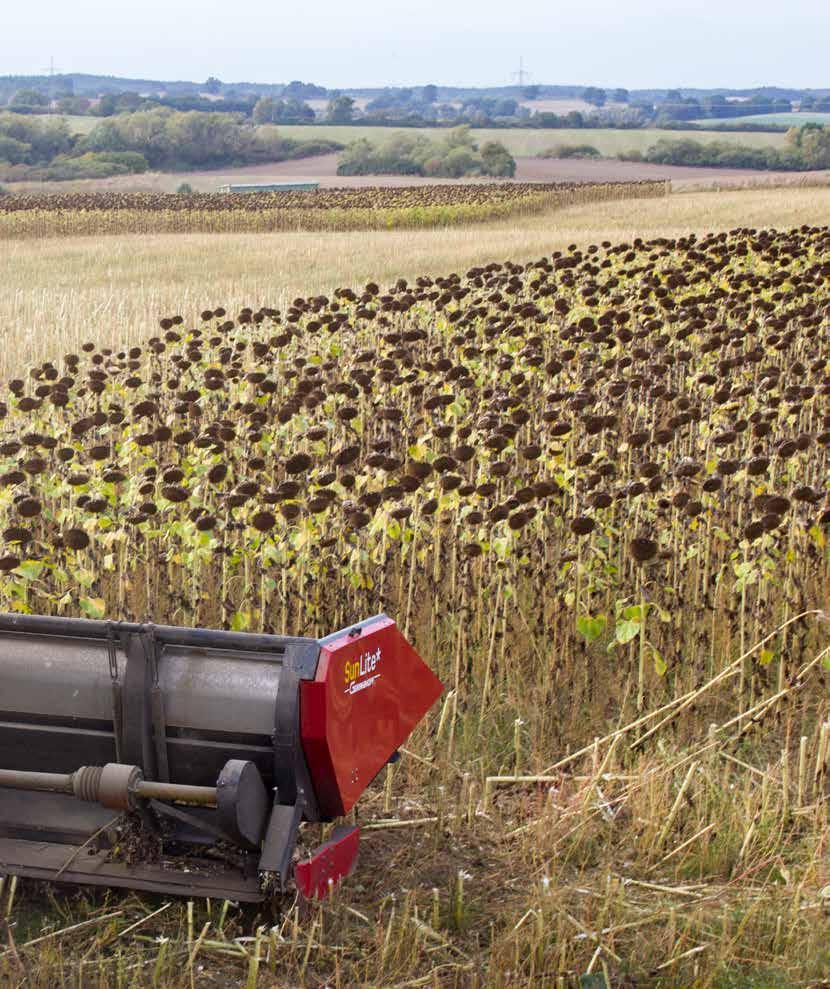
323	169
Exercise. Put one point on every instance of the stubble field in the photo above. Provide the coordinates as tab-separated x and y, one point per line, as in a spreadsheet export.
57	292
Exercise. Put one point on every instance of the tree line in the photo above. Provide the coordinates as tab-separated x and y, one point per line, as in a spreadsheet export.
423	106
807	148
159	139
453	155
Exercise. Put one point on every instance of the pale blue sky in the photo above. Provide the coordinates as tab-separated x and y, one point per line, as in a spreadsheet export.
633	43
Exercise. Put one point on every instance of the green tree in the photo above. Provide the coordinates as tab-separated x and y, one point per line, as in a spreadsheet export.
77	105
429	94
357	158
213	85
812	145
36	140
340	110
459	137
531	92
545	118
13	152
294	111
497	160
263	112
105	136
408	153
620	95
594	96
459	161
127	102
29	97
268	111
106	106
505	108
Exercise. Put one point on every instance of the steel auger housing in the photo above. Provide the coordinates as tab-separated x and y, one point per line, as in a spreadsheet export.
183	760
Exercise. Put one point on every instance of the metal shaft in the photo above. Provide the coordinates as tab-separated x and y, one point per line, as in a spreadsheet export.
47	782
85	783
179	792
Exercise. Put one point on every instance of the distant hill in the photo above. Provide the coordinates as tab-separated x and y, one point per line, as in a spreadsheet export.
86	84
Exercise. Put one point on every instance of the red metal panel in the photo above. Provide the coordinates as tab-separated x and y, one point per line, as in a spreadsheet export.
370	691
329	864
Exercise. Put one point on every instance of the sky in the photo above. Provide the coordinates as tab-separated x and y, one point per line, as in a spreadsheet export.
334	43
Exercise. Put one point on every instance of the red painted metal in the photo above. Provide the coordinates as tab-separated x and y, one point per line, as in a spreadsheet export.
370	691
330	863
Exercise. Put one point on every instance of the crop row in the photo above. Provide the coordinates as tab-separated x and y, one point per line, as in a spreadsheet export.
322	209
367	197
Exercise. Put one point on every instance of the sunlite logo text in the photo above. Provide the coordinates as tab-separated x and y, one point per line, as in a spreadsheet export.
360	673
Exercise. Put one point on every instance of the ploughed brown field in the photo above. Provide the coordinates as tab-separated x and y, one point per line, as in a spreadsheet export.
323	169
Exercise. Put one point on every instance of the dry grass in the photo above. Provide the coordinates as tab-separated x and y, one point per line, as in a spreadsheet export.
759	180
55	293
586	872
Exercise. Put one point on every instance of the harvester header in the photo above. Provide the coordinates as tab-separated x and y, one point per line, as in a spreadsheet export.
184	760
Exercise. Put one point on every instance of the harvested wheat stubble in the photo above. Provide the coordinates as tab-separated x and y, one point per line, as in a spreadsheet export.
326	209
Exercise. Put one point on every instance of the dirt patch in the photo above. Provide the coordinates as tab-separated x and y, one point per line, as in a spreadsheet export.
323	169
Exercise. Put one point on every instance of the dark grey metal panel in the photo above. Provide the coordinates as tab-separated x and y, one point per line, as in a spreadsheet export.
51	749
44	860
280	839
51	816
199	763
88	628
55	683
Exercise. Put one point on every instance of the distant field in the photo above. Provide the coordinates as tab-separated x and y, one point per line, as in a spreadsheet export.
790	119
320	105
563	106
527	141
81	125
